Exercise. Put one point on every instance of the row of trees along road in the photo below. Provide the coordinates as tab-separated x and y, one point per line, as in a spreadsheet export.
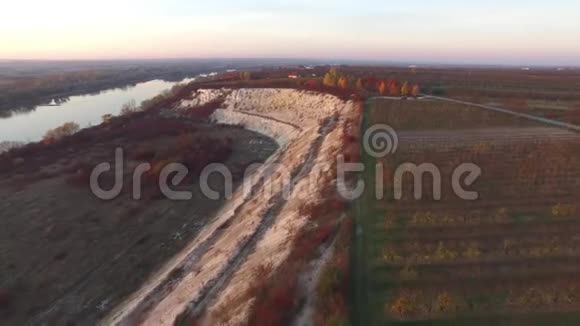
384	87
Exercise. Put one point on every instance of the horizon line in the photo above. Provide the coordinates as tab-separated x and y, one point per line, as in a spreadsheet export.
318	61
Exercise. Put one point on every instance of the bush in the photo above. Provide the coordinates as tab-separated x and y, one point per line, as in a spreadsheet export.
312	83
445	303
329	282
403	306
8	145
564	210
166	98
129	108
56	134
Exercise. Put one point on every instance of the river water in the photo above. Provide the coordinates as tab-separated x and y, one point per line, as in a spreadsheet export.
85	110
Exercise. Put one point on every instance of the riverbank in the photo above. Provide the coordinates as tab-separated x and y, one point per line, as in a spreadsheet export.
20	99
84	110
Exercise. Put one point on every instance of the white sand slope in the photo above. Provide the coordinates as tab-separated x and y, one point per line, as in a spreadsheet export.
254	226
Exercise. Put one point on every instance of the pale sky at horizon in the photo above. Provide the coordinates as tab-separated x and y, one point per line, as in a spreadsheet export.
448	31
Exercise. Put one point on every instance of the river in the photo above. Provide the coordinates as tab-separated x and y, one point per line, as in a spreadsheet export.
85	110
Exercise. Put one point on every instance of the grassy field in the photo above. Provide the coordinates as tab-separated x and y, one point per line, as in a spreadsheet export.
510	257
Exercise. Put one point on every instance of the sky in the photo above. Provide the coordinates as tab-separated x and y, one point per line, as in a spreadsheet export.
444	31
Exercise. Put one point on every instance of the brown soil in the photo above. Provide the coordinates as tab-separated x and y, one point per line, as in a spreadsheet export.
67	257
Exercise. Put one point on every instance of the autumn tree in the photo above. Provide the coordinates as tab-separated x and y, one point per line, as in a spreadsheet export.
393	87
334	71
58	133
360	85
371	83
329	80
382	88
405	89
415	90
343	82
245	75
332	77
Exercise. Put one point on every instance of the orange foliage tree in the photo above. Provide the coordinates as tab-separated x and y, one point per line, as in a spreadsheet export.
393	87
405	89
415	90
382	87
331	78
360	85
245	75
343	83
56	134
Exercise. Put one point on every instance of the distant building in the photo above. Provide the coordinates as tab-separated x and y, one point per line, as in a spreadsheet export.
293	75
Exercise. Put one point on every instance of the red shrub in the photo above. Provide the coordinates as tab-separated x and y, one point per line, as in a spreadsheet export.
313	83
277	304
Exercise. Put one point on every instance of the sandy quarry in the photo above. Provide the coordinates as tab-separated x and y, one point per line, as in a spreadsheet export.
255	225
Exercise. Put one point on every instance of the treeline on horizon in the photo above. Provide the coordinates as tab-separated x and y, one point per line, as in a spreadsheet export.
390	87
